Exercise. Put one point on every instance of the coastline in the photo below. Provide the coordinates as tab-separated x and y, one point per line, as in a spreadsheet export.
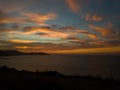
12	79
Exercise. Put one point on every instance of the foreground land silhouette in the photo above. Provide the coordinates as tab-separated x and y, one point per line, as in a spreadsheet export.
12	79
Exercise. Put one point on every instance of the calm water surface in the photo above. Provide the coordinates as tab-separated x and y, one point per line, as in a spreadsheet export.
95	65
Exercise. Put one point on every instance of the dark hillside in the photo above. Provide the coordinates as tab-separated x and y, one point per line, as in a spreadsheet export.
12	79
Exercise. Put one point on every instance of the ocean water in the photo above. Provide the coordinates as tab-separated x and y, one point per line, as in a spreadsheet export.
95	65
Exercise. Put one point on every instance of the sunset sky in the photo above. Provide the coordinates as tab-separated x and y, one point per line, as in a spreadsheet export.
60	26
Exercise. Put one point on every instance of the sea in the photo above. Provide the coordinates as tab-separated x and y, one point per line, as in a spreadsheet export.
103	66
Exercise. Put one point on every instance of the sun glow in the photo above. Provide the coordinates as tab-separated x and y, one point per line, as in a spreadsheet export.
105	50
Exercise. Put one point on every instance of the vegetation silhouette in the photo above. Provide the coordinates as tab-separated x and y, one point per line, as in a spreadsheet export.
12	79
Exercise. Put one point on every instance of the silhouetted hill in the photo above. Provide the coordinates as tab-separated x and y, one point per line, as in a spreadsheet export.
14	53
12	79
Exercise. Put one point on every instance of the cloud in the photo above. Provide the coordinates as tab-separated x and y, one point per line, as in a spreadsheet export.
45	47
78	5
44	37
3	16
108	43
28	26
91	35
21	41
25	17
5	19
73	38
100	43
17	20
90	17
110	35
63	32
102	30
76	40
39	18
45	32
14	5
76	31
68	28
73	5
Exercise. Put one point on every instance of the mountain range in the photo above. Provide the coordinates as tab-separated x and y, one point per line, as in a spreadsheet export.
16	53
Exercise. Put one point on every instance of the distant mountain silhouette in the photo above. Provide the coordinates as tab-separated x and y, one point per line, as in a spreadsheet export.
15	53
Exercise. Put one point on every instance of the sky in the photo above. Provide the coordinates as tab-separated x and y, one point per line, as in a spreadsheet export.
60	26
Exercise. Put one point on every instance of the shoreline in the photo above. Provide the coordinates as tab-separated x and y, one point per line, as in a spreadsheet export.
13	79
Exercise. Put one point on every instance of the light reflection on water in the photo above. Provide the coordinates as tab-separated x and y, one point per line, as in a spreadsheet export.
67	64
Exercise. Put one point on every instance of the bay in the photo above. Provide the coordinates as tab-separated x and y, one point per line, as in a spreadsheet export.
95	65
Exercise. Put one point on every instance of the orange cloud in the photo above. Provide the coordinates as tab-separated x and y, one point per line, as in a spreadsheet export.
93	36
85	32
75	40
21	41
75	31
103	31
29	48
46	32
40	18
14	20
110	32
4	20
21	47
90	17
73	5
